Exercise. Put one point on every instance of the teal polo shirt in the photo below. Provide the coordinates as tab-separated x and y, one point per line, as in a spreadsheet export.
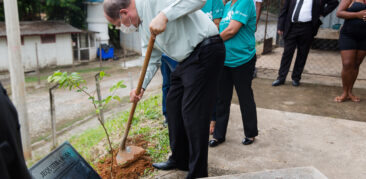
240	49
214	9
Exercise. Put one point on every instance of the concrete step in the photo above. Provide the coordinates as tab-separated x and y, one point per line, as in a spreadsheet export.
288	173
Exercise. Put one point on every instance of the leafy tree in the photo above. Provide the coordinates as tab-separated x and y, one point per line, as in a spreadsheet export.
74	81
114	36
70	11
28	10
2	16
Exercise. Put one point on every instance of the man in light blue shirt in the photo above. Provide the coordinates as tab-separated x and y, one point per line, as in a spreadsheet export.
213	9
188	36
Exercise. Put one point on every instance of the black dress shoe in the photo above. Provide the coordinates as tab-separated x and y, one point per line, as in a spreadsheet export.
168	165
214	143
278	82
295	83
247	141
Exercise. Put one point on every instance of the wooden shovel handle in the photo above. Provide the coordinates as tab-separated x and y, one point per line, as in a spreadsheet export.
138	90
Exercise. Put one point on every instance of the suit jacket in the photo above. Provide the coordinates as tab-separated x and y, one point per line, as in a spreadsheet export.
12	164
320	8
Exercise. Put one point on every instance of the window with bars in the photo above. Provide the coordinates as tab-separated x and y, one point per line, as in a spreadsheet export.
48	39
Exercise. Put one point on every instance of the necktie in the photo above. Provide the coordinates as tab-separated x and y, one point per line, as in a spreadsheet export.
297	11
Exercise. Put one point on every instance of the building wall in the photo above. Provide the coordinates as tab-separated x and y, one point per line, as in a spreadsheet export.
97	22
131	41
4	64
331	19
49	54
93	53
64	49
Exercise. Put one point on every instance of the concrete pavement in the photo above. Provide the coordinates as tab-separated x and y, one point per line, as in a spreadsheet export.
335	147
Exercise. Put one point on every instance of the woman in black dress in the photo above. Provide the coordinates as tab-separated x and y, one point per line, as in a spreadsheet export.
352	43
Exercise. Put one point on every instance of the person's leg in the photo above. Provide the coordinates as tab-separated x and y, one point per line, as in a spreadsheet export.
212	125
360	55
213	121
200	89
304	42
165	72
177	135
242	77
225	93
171	63
288	53
348	70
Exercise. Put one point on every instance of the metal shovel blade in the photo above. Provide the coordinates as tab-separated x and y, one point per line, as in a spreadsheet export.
129	155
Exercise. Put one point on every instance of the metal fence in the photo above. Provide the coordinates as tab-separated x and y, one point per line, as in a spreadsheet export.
324	58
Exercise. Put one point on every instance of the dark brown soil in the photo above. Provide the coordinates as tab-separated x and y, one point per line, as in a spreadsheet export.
131	171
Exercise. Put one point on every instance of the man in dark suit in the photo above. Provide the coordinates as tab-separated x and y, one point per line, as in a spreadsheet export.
12	163
299	23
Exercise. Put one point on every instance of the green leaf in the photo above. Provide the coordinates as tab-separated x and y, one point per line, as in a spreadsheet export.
57	73
101	74
108	99
49	79
117	98
119	84
112	88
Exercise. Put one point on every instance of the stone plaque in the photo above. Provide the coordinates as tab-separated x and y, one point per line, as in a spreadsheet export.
63	163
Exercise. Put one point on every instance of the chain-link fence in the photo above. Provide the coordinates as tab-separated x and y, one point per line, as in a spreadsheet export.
324	58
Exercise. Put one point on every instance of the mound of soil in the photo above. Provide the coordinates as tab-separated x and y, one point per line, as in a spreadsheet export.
133	170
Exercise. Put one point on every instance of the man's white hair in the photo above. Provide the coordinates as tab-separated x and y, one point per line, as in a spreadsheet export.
112	7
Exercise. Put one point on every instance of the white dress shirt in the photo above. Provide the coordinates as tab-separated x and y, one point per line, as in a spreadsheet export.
305	11
187	26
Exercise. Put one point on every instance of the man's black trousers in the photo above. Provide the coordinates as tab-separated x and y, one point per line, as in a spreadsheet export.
241	77
300	36
190	103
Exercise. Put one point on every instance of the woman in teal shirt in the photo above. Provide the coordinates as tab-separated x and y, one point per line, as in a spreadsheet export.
237	28
214	9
